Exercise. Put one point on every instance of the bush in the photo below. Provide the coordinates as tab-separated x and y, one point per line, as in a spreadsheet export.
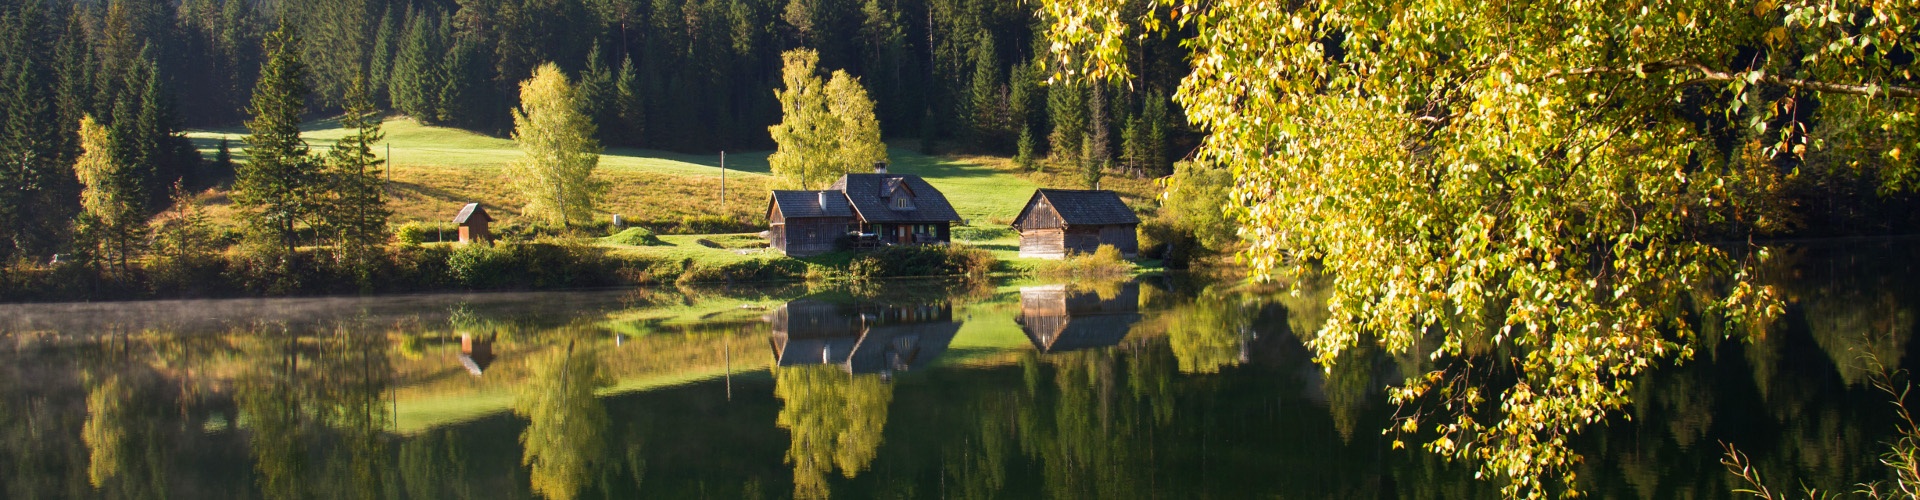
1104	262
531	266
635	236
756	270
417	232
928	260
734	242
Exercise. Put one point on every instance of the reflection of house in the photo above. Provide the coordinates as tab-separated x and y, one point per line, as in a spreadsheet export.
1057	222
1058	319
861	338
476	352
881	208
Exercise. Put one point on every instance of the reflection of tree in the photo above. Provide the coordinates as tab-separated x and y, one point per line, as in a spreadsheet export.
567	427
269	398
432	466
352	379
1348	386
1207	334
835	420
122	437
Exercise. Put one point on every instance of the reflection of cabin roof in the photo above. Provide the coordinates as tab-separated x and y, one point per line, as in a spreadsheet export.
476	366
1079	207
869	192
469	211
801	204
1057	319
861	338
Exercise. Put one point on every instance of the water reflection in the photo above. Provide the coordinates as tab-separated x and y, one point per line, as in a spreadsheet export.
1062	318
1165	387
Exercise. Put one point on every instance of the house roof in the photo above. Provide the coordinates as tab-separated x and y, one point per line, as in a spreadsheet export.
868	193
796	204
469	211
1079	207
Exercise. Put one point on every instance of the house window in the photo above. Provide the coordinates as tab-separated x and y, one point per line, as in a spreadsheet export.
903	203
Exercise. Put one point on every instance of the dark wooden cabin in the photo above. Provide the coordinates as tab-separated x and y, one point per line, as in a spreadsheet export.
473	221
1059	318
880	208
1058	222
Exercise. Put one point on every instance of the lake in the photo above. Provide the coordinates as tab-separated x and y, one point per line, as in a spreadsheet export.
1161	387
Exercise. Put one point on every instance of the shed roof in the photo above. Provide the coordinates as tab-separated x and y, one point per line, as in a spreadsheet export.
469	211
868	192
795	204
1080	207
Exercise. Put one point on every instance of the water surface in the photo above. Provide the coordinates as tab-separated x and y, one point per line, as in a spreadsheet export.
1163	387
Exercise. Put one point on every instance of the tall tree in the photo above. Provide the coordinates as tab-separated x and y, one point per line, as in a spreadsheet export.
112	197
275	189
553	129
415	83
826	130
355	215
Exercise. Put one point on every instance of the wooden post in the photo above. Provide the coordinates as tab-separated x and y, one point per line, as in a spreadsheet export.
723	182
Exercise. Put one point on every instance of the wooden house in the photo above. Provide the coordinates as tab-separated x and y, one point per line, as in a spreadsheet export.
1058	318
879	208
473	221
1058	222
861	338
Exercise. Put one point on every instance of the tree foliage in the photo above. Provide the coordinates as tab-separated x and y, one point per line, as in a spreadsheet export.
354	216
827	128
835	421
1521	187
566	435
554	131
277	187
111	196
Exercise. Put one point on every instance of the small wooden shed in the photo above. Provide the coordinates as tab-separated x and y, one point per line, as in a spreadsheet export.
473	221
1057	222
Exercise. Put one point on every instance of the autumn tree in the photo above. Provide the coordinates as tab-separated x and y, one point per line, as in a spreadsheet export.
827	128
566	435
556	134
111	197
276	188
1534	189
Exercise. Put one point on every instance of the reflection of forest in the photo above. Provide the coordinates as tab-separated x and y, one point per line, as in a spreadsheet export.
1207	392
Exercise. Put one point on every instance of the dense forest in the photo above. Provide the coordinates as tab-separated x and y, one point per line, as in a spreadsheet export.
682	75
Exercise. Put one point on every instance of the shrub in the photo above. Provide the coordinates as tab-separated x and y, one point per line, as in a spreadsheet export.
929	260
1104	262
734	242
635	236
417	232
755	270
709	224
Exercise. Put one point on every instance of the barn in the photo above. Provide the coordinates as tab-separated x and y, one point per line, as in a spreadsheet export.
879	209
1057	222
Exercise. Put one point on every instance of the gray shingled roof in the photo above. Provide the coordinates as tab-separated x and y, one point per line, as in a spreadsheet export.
1084	207
468	211
798	204
864	191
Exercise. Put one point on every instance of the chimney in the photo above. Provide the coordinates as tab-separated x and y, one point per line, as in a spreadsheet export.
879	167
823	199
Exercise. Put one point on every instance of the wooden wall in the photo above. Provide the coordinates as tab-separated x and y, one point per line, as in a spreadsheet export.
810	236
1057	243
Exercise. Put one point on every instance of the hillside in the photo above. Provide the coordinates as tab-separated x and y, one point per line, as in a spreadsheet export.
437	169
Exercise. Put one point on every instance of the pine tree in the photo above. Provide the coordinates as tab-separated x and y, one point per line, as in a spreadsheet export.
457	78
1023	152
355	215
415	83
1099	145
1155	148
1067	108
112	198
380	67
597	92
988	103
552	128
275	189
633	112
1132	148
29	157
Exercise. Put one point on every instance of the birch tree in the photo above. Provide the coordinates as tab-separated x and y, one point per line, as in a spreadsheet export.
553	130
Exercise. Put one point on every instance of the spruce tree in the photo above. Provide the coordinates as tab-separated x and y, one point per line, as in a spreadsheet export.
355	214
632	123
275	189
596	91
1155	117
988	104
1067	108
380	67
415	82
459	72
1023	152
1132	148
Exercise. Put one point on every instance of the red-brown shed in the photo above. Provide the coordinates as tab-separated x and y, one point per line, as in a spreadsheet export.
473	221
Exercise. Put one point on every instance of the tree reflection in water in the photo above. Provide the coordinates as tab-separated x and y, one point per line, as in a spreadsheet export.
567	427
835	420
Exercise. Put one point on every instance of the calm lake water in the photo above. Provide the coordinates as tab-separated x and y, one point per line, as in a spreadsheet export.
1157	388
